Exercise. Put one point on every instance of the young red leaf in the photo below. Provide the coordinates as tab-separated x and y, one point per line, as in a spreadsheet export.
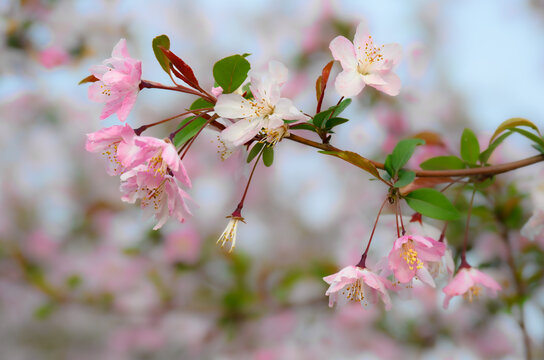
322	80
88	79
185	70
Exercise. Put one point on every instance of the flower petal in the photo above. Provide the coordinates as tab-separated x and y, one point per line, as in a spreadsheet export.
349	83
242	131
343	51
234	106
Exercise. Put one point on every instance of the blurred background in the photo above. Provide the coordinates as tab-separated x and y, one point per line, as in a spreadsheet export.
83	276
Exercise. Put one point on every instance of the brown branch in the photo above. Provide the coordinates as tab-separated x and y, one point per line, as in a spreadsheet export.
481	171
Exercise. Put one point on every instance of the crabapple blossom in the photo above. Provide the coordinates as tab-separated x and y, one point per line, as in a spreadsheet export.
265	113
111	142
229	235
357	283
53	56
410	255
364	63
160	156
119	82
468	282
159	195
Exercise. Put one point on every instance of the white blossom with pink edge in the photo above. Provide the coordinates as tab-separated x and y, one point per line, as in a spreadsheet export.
119	82
365	63
468	282
160	196
409	256
110	142
357	284
265	113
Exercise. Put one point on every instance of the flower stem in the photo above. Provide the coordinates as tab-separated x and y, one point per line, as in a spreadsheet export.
363	257
241	203
464	262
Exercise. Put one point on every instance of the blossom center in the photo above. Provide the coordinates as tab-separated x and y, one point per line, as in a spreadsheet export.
409	254
110	153
355	291
105	90
371	55
262	108
153	195
473	292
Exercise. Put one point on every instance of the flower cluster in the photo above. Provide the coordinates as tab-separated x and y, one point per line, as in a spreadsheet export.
412	257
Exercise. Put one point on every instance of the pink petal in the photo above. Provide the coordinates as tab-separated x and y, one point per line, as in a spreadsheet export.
242	131
425	277
392	54
349	83
392	86
485	280
120	50
361	39
343	51
126	106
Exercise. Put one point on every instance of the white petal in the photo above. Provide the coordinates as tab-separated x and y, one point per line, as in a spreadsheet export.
392	86
343	51
287	111
241	131
278	72
360	40
374	79
349	83
234	106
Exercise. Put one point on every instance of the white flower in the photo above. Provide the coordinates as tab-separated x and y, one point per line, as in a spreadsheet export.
229	235
265	113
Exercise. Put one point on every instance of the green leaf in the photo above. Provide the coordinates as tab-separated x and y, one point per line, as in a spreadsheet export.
340	107
470	148
88	79
268	155
335	121
355	159
163	41
529	136
485	155
188	131
42	312
388	167
303	126
321	117
513	123
200	103
443	163
402	152
432	203
231	72
539	148
405	177
254	151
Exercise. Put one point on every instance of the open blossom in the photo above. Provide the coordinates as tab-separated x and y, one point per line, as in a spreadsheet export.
159	195
468	282
410	256
363	62
160	157
357	284
119	82
111	142
264	114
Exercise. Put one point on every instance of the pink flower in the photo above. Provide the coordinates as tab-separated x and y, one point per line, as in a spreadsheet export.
410	255
365	63
265	113
467	283
111	142
357	283
53	56
119	82
160	157
159	196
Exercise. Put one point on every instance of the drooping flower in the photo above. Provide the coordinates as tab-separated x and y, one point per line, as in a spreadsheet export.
110	142
159	156
468	282
160	196
357	284
119	82
410	255
264	114
363	62
229	235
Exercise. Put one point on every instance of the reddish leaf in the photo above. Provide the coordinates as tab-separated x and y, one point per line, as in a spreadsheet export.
88	79
430	137
416	217
185	70
322	85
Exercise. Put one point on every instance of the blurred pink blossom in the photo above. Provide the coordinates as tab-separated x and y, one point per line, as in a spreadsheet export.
53	56
182	245
364	63
119	82
468	282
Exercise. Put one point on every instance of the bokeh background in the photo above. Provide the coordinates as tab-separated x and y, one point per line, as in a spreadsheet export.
83	276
